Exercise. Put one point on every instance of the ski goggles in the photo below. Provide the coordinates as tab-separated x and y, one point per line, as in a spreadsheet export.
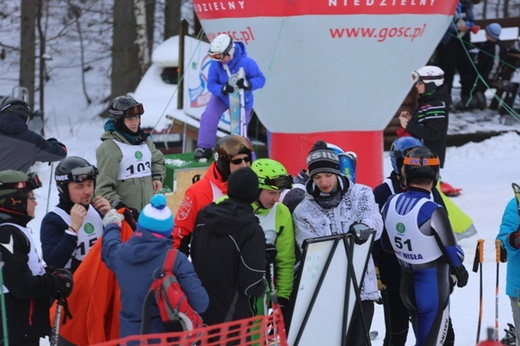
217	56
24	187
278	183
79	174
131	112
417	78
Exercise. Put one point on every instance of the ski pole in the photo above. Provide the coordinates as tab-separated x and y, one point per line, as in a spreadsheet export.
243	127
2	300
50	185
477	265
55	334
498	247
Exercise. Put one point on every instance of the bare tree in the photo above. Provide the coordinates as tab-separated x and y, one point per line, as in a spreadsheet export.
142	36
126	70
27	46
172	18
150	23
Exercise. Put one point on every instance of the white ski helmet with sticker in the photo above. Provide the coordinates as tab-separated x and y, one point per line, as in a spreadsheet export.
221	46
429	74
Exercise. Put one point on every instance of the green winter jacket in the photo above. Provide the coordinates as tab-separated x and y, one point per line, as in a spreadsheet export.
133	192
285	243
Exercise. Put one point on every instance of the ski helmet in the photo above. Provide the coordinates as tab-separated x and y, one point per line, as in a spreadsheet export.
124	107
429	74
73	169
400	147
272	175
14	188
421	163
229	146
11	104
221	46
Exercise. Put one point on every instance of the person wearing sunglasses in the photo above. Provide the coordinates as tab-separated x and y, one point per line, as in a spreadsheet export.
21	147
276	221
231	153
229	57
28	287
70	229
131	168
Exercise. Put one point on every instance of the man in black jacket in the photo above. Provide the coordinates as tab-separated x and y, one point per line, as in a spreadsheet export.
228	251
20	147
28	287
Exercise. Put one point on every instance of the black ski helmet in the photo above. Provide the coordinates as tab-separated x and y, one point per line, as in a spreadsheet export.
124	107
11	104
421	163
73	169
229	146
14	188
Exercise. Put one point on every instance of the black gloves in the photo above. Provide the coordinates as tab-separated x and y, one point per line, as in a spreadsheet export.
133	211
243	84
461	274
361	231
63	281
226	89
270	253
54	140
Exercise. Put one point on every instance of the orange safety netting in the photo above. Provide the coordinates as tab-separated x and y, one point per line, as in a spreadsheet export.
254	331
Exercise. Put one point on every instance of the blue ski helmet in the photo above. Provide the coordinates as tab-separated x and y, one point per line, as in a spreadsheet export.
399	149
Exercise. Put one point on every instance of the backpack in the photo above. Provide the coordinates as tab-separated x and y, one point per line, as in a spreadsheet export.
174	309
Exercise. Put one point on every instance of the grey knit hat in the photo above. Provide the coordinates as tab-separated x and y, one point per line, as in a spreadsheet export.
322	159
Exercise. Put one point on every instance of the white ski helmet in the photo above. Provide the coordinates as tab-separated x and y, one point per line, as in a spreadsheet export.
221	46
429	74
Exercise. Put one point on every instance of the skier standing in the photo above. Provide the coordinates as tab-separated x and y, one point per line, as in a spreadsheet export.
418	231
136	264
228	251
276	221
20	147
509	235
228	57
131	168
396	314
71	228
231	153
332	204
28	288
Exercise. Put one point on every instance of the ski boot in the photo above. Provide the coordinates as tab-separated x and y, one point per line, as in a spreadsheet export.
203	154
449	190
510	337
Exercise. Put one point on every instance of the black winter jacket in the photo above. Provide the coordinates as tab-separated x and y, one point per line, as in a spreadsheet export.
28	289
20	147
228	253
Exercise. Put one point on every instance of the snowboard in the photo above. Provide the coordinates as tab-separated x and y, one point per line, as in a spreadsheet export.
236	106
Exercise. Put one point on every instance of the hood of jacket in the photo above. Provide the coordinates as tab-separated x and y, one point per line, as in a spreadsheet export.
240	52
227	216
143	246
11	123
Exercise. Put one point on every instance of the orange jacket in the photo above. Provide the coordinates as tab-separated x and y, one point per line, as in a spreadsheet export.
197	196
94	302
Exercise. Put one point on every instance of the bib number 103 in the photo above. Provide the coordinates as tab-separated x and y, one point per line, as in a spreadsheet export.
138	168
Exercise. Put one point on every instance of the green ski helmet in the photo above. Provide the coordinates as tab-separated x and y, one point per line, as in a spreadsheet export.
14	189
272	175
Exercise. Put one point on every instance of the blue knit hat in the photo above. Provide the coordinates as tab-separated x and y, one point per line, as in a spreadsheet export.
494	30
156	217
